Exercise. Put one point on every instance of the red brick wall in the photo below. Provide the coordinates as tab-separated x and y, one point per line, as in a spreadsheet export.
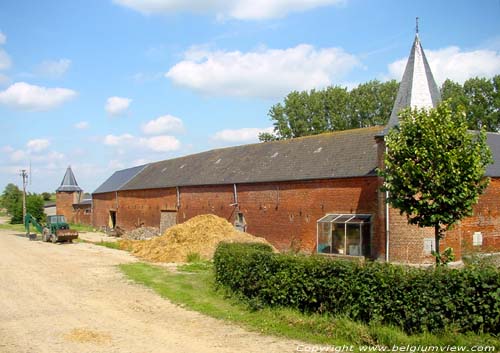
486	219
285	213
102	204
82	215
143	207
407	242
64	204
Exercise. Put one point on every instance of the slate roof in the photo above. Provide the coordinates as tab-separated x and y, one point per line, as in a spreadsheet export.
118	179
493	140
69	182
350	153
83	203
417	88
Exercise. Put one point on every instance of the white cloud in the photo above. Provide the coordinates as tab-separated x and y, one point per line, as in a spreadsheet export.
163	124
3	38
238	9
248	134
24	96
118	140
162	143
5	61
268	73
38	145
32	152
82	125
53	68
117	105
455	64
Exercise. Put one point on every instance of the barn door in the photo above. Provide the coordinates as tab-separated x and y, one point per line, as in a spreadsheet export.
167	220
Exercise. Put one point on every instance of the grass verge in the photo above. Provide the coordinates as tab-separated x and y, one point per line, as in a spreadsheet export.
108	244
16	227
81	227
192	287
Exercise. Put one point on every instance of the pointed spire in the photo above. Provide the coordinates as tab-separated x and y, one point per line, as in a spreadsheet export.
417	88
69	182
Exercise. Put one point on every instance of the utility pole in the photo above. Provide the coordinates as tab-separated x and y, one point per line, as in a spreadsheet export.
24	175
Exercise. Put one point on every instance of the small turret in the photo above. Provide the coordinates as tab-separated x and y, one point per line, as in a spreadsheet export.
68	194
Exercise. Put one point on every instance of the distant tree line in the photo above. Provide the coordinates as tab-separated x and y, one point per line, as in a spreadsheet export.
336	108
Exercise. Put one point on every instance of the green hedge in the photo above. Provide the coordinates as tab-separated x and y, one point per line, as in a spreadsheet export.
414	299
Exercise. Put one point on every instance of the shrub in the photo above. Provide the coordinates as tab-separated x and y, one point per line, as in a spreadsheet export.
414	299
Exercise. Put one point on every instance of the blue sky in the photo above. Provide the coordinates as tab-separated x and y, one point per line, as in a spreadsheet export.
102	85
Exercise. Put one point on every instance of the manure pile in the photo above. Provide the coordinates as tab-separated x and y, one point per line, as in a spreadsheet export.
200	235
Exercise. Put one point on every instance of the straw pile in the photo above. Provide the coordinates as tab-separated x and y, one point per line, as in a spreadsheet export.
199	235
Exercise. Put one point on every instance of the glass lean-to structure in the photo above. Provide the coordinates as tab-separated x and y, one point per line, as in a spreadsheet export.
344	234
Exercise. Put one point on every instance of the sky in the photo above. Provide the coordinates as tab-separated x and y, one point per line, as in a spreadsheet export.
103	85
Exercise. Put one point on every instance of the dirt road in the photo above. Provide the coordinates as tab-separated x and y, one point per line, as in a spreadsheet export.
72	298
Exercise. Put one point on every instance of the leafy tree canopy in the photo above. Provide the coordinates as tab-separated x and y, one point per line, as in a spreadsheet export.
10	197
12	200
480	97
336	108
434	167
34	206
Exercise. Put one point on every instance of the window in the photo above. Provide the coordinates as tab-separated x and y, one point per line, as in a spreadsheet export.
429	245
477	239
240	222
344	234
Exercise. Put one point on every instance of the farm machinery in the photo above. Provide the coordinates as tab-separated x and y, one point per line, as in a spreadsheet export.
56	229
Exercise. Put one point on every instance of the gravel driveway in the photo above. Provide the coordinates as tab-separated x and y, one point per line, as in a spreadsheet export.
72	298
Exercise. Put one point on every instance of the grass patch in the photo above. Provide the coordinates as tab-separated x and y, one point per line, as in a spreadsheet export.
17	227
81	227
195	290
108	244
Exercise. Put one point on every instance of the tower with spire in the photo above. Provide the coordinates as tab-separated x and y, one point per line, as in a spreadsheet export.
417	89
68	194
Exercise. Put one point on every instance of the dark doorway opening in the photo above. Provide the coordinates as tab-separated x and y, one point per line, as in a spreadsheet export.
112	219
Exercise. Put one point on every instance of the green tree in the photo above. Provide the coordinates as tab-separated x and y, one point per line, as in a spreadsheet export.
34	206
481	99
332	109
11	196
371	103
434	168
46	196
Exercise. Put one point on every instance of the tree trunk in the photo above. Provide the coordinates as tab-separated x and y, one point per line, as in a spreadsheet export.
437	237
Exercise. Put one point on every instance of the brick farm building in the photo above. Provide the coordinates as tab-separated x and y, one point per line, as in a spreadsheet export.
318	193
